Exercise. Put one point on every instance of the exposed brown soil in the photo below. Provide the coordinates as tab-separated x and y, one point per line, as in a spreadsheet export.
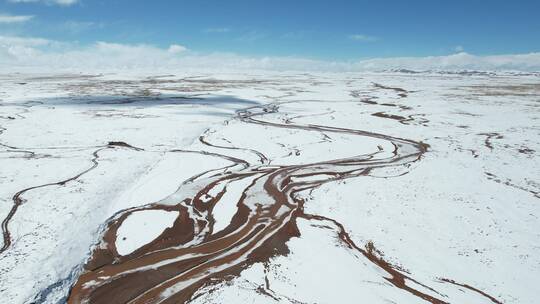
489	137
469	287
390	116
401	92
122	144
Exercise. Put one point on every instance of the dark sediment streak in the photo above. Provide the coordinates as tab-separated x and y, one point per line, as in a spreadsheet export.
401	92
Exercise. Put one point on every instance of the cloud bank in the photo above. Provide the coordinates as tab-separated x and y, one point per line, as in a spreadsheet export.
50	2
364	38
14	19
217	30
18	53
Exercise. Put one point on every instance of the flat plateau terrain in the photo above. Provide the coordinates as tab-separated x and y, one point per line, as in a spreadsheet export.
270	188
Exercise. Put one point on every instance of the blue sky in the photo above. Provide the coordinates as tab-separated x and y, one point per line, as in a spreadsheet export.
326	30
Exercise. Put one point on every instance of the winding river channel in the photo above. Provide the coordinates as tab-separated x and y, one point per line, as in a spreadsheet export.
192	254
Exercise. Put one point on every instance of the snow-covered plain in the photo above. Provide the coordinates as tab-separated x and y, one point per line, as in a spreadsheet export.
460	224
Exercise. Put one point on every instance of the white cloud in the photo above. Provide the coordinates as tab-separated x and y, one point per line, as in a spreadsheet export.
13	49
364	38
20	53
217	30
251	36
50	2
76	27
459	48
65	2
459	61
23	41
176	49
14	19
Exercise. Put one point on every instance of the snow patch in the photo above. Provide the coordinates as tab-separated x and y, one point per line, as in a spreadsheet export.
141	227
